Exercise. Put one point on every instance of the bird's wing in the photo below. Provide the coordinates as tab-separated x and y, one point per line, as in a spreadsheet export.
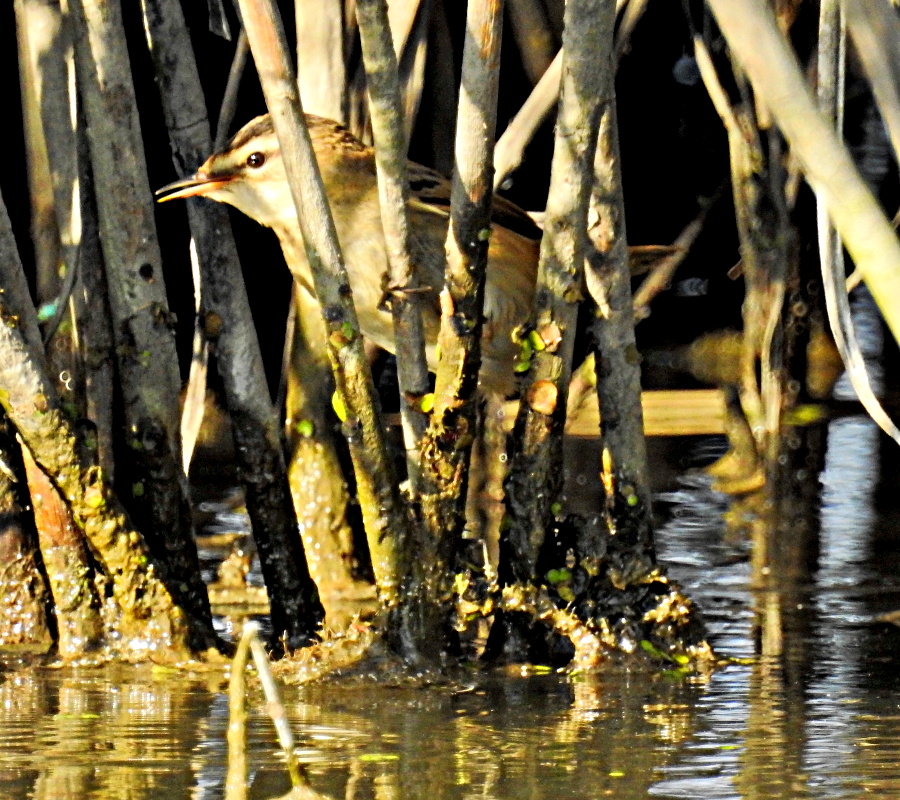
430	193
512	266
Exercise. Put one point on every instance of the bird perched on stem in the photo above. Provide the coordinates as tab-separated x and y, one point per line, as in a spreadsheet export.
249	175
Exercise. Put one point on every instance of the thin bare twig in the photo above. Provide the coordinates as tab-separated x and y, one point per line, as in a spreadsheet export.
229	99
661	274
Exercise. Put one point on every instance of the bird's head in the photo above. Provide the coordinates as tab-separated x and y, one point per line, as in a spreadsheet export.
247	174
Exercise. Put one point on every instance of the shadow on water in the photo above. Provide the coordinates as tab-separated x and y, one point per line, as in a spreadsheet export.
817	716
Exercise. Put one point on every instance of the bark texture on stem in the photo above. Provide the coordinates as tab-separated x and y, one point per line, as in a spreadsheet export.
94	318
617	361
383	512
76	602
24	621
419	620
145	348
225	310
386	113
150	622
408	21
447	448
535	477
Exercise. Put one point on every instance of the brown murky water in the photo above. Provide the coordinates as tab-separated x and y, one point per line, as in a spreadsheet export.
822	720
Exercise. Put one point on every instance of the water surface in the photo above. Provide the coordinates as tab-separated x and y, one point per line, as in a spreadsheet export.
817	718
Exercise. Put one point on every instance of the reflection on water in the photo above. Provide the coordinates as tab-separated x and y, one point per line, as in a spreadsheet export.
820	720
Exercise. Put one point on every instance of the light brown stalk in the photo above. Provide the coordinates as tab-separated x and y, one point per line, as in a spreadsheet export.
383	512
321	71
830	95
237	772
761	48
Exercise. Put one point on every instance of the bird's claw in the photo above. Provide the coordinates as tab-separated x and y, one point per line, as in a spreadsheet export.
389	292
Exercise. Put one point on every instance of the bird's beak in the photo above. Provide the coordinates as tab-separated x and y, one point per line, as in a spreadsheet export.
196	185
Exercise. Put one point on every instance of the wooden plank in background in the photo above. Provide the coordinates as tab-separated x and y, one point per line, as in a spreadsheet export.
666	413
692	412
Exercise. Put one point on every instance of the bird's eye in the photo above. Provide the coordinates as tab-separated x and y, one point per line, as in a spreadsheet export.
256	160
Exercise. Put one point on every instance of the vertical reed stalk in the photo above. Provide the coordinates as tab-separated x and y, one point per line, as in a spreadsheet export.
830	94
151	625
148	366
321	71
447	448
771	65
225	309
535	477
421	612
386	112
383	512
616	358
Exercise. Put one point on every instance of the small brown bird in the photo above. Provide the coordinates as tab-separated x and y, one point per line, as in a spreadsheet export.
249	175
